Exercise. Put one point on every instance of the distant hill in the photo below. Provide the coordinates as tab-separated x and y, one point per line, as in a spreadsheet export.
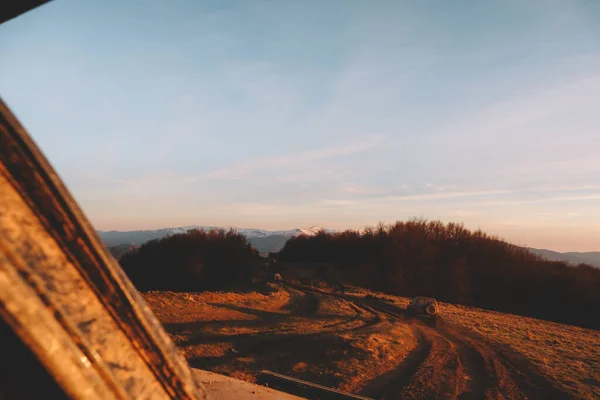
592	257
260	239
120	249
272	241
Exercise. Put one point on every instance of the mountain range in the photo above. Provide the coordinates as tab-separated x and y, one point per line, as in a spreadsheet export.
591	257
266	240
261	239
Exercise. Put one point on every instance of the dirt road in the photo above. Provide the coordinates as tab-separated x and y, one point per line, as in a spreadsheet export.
445	362
451	363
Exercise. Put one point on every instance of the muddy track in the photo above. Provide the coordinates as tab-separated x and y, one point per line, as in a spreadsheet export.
364	315
450	362
303	303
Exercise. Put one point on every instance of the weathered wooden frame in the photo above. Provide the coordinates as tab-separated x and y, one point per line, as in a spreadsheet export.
66	297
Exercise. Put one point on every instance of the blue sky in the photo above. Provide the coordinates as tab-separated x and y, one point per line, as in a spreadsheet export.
279	114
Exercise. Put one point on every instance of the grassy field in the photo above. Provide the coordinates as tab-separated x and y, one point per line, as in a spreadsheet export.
568	355
340	341
325	340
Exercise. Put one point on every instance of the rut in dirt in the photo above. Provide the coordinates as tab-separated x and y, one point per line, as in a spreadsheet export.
460	365
450	362
395	379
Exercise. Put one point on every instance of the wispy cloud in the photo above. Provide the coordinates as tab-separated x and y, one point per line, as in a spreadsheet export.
448	195
536	105
467	205
441	195
339	203
298	160
557	199
529	133
325	124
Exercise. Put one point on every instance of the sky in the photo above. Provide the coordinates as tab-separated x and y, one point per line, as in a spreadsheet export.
285	114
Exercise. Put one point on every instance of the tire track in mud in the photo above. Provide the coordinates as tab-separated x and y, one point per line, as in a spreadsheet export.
396	378
300	338
424	371
364	315
303	304
450	362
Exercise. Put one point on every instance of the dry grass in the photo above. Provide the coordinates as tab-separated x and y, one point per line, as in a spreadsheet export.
332	343
380	352
320	339
568	355
175	307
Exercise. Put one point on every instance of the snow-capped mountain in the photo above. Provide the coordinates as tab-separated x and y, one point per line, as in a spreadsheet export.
244	231
313	230
261	239
252	233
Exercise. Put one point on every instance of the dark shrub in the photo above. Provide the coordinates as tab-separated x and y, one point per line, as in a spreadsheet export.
191	261
447	261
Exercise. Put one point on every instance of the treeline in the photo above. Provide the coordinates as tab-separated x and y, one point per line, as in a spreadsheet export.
192	261
120	250
453	264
